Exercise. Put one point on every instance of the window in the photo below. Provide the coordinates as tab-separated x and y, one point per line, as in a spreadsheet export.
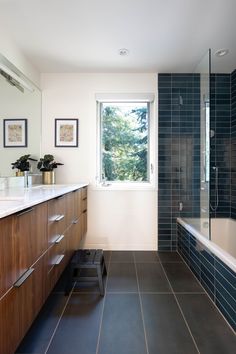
124	142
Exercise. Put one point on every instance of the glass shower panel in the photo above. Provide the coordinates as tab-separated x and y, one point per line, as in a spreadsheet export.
203	70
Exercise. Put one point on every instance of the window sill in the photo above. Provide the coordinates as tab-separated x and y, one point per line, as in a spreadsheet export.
124	187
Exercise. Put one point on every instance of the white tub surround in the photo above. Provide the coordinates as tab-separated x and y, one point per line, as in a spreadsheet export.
13	200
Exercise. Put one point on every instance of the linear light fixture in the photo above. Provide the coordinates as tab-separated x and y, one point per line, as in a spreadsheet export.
16	77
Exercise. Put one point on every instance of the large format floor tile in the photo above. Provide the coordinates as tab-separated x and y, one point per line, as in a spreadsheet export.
122	256
181	278
151	278
38	337
211	332
169	257
122	327
146	256
86	323
122	278
166	330
79	327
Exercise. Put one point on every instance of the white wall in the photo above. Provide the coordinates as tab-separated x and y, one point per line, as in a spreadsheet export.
116	219
10	50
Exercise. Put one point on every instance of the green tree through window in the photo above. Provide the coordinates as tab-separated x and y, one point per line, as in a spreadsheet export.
124	140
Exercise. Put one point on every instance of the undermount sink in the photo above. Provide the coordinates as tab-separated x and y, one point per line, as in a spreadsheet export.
9	203
11	199
49	186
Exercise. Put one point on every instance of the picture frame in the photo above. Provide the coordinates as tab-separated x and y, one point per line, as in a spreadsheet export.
66	132
15	133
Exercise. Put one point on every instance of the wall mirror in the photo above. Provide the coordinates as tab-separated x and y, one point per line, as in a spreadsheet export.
20	103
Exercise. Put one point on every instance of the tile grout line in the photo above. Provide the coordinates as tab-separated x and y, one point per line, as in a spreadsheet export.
59	320
103	306
141	305
206	293
181	311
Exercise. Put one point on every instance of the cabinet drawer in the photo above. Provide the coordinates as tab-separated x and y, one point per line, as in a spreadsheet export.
84	192
7	255
9	323
20	306
31	295
56	218
56	251
77	204
84	217
84	205
30	232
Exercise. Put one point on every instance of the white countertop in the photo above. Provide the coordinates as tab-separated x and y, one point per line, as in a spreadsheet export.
13	200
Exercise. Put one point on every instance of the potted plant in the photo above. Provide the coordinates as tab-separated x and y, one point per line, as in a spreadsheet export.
46	165
22	164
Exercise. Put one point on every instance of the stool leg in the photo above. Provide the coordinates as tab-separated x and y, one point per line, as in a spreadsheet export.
100	281
104	267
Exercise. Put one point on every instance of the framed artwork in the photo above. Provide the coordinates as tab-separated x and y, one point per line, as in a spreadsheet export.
14	132
66	132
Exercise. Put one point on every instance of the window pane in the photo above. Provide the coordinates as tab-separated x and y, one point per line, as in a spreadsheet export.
124	128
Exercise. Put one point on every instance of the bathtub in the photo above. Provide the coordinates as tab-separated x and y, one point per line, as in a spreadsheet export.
223	236
212	261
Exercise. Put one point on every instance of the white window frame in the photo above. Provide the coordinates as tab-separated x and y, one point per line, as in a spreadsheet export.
120	185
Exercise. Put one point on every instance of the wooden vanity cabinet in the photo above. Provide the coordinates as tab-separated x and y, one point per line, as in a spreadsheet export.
36	244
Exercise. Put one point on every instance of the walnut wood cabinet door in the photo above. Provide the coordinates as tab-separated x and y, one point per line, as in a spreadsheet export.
30	236
9	323
31	294
7	255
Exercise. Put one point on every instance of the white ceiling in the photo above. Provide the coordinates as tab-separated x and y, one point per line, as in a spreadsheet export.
85	35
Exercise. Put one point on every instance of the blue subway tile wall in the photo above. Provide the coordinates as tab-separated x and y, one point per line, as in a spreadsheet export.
220	115
178	153
233	144
216	277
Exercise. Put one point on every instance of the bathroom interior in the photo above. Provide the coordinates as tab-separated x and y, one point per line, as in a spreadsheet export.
168	240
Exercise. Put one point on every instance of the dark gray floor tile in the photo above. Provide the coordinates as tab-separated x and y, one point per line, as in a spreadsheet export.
181	278
122	257
122	277
166	330
122	328
169	257
146	256
152	278
40	333
211	332
79	327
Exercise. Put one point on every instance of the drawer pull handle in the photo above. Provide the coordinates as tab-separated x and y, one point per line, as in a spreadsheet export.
75	221
60	217
85	198
84	211
25	211
23	278
59	239
59	259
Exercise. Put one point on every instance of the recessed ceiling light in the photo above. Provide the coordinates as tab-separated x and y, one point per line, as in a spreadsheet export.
221	52
123	52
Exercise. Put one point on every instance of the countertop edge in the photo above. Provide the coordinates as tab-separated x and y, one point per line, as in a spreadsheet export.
29	197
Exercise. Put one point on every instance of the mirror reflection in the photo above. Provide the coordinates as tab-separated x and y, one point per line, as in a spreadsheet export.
20	103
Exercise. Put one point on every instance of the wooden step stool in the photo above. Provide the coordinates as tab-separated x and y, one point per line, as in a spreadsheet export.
86	259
